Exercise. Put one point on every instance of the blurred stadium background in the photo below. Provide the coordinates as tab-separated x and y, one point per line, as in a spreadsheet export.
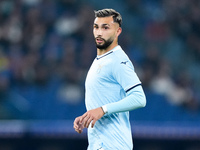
47	46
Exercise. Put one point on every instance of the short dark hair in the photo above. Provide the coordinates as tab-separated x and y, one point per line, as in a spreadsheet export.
109	12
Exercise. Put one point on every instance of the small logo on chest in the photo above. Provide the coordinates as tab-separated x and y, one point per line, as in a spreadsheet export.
99	68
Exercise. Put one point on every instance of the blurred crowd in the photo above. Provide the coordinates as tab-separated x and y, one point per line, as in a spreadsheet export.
51	41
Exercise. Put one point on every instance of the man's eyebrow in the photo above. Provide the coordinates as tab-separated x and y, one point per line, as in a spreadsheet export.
102	24
105	24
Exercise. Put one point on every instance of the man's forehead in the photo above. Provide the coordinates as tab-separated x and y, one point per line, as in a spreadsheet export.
104	20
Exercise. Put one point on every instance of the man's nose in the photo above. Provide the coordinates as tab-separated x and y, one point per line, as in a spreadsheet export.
99	32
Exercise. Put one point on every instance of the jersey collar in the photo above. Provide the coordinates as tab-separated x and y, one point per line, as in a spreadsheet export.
109	52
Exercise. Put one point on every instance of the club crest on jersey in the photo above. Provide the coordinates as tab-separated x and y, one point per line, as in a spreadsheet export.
99	68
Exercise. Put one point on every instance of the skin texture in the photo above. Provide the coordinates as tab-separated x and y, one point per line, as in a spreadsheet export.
106	33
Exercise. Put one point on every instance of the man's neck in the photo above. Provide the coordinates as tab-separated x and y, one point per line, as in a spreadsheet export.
103	51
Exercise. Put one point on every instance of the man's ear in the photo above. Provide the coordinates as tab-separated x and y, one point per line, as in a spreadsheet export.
119	31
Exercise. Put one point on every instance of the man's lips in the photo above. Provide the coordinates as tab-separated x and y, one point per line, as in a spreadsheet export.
99	40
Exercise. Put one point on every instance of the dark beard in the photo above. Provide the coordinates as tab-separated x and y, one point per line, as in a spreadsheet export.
105	45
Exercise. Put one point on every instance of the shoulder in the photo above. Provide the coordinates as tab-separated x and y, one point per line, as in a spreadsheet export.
120	57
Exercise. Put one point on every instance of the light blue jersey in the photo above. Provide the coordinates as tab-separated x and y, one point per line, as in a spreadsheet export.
110	78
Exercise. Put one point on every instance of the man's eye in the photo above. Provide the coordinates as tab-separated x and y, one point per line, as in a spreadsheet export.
105	27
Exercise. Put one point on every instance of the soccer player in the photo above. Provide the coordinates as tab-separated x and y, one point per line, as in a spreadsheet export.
112	89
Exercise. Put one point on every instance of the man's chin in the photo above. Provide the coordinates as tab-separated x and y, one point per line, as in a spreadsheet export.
103	45
100	46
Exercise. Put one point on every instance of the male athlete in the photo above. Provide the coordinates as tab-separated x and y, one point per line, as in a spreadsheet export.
112	89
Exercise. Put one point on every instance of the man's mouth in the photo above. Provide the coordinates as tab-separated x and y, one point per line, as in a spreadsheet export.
99	40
